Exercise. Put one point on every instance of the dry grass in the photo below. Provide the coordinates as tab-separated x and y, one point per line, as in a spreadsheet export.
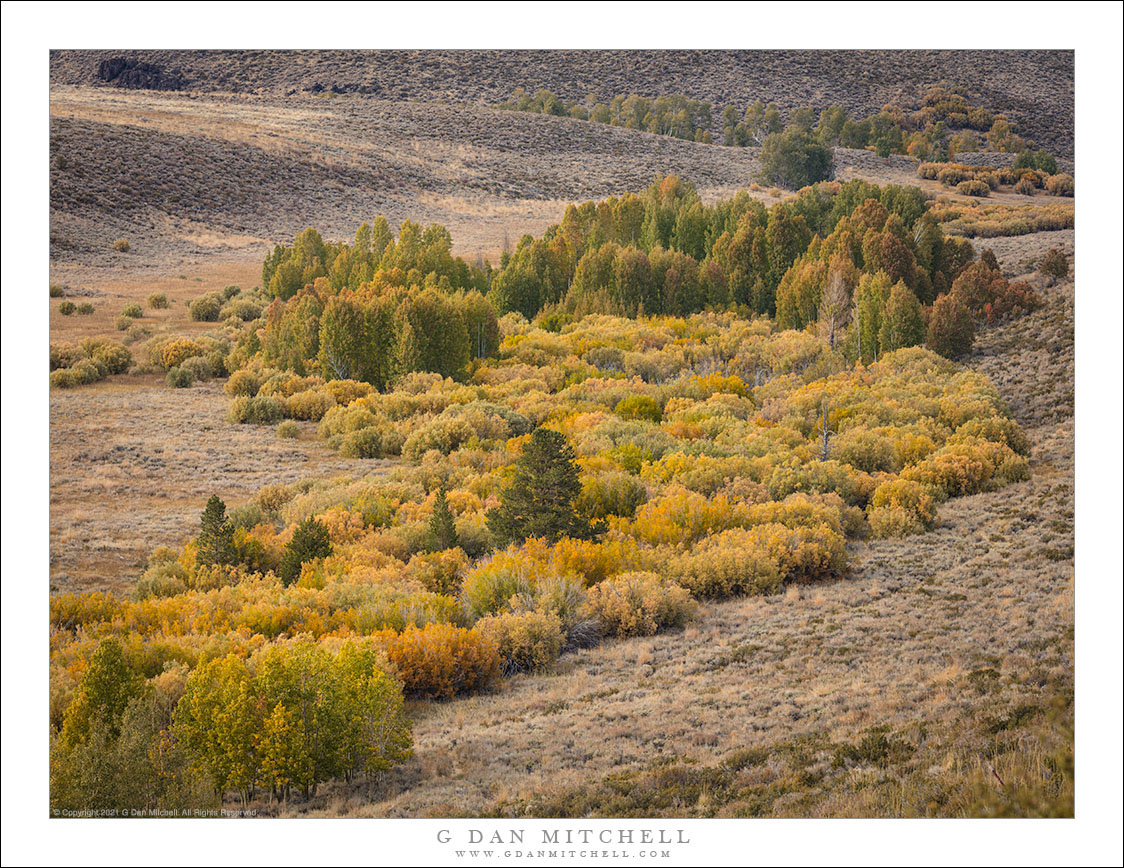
217	178
133	463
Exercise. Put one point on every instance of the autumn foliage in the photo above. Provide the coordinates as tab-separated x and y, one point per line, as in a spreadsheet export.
614	430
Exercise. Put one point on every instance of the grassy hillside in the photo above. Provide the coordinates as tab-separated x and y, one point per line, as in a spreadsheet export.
218	178
1034	87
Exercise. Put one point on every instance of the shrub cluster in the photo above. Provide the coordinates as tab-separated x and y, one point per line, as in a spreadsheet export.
441	660
981	180
525	640
674	115
640	604
994	220
87	362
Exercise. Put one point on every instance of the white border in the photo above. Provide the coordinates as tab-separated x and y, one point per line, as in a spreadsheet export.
1093	29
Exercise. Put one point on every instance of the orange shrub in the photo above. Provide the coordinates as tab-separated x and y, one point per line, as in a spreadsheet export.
310	405
439	572
998	429
853	485
800	510
974	187
968	466
682	517
439	660
521	578
243	382
346	391
726	564
866	449
71	611
594	561
804	553
1060	185
613	493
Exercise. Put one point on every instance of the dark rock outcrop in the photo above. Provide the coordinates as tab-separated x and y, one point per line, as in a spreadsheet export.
137	75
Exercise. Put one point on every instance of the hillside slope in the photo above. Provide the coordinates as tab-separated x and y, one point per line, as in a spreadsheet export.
1034	87
188	178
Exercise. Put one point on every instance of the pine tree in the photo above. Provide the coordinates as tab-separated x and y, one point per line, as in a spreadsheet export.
310	541
216	538
540	500
441	526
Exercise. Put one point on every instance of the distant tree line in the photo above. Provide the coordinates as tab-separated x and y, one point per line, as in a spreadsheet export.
674	115
945	122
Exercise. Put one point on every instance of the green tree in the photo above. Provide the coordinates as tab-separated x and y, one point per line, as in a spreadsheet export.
106	688
902	322
140	767
795	159
292	332
216	538
377	730
800	293
785	237
870	304
298	684
284	758
342	345
441	525
310	541
831	124
633	280
481	324
432	335
380	359
539	502
219	720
